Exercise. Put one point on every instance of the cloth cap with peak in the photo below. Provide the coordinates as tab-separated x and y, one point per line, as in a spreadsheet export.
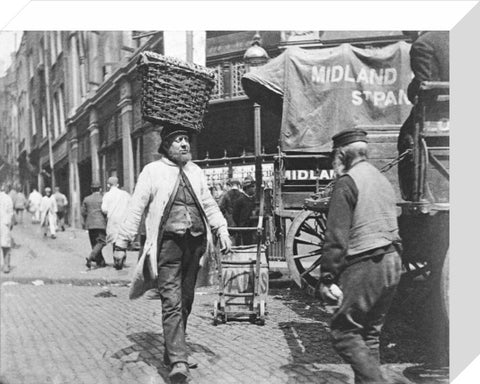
349	136
170	131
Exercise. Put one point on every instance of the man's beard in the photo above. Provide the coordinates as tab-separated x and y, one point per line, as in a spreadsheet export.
179	158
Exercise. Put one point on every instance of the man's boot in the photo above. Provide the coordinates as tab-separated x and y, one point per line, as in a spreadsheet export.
6	262
179	373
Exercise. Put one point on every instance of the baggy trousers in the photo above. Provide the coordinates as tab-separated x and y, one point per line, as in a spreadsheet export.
178	265
368	287
97	238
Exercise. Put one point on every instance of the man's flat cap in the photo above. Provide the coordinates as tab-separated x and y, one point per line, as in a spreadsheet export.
349	136
170	131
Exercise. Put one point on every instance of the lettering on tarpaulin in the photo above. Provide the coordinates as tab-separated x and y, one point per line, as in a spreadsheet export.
380	98
337	73
323	174
365	76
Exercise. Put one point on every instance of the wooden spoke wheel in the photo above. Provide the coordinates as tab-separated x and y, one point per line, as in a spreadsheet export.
303	247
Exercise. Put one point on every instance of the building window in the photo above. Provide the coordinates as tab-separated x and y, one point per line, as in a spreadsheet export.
56	128
41	53
59	113
238	70
218	89
33	122
30	65
44	126
61	110
58	42
53	48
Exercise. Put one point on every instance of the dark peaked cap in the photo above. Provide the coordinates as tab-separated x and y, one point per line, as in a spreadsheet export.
349	136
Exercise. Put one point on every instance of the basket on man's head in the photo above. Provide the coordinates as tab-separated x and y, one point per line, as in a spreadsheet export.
174	92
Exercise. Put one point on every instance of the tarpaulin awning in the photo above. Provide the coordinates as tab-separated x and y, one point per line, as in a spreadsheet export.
323	91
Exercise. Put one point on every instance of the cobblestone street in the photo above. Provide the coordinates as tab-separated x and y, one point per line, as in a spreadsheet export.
76	328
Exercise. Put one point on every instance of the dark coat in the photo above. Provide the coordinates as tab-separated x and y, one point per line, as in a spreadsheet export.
227	202
92	212
243	210
429	60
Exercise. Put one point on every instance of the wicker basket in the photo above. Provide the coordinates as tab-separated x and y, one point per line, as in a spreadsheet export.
174	92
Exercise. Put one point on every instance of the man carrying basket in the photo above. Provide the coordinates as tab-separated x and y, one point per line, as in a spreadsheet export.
180	217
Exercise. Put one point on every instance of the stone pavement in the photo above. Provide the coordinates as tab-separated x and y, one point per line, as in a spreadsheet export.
70	334
62	260
80	327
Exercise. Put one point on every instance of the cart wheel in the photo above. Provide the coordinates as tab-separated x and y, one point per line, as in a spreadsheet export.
303	248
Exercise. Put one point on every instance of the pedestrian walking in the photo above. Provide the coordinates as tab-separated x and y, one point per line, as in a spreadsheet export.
96	224
181	215
48	214
34	201
360	265
62	203
114	206
19	204
6	225
243	210
228	200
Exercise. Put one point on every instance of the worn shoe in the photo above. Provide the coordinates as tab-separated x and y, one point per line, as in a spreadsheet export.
101	263
53	237
179	373
166	361
6	269
118	262
88	263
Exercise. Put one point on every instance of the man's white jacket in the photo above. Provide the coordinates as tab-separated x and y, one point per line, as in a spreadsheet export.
155	185
115	205
48	210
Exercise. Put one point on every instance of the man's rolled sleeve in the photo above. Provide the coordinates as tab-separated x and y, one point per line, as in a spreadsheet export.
339	221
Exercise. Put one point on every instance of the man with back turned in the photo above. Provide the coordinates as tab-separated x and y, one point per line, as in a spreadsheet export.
360	266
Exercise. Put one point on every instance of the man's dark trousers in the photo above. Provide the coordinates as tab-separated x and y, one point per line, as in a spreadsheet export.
178	265
368	287
97	238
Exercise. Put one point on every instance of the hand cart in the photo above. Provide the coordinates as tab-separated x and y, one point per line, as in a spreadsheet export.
243	279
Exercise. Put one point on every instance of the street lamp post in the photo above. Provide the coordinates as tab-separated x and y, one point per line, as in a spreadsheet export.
254	57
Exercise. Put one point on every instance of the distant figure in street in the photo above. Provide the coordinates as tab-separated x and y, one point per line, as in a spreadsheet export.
114	206
62	204
360	266
48	214
6	225
179	222
19	204
34	201
228	200
243	209
96	223
217	191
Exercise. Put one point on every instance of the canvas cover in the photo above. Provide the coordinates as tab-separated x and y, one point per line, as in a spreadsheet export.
323	91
